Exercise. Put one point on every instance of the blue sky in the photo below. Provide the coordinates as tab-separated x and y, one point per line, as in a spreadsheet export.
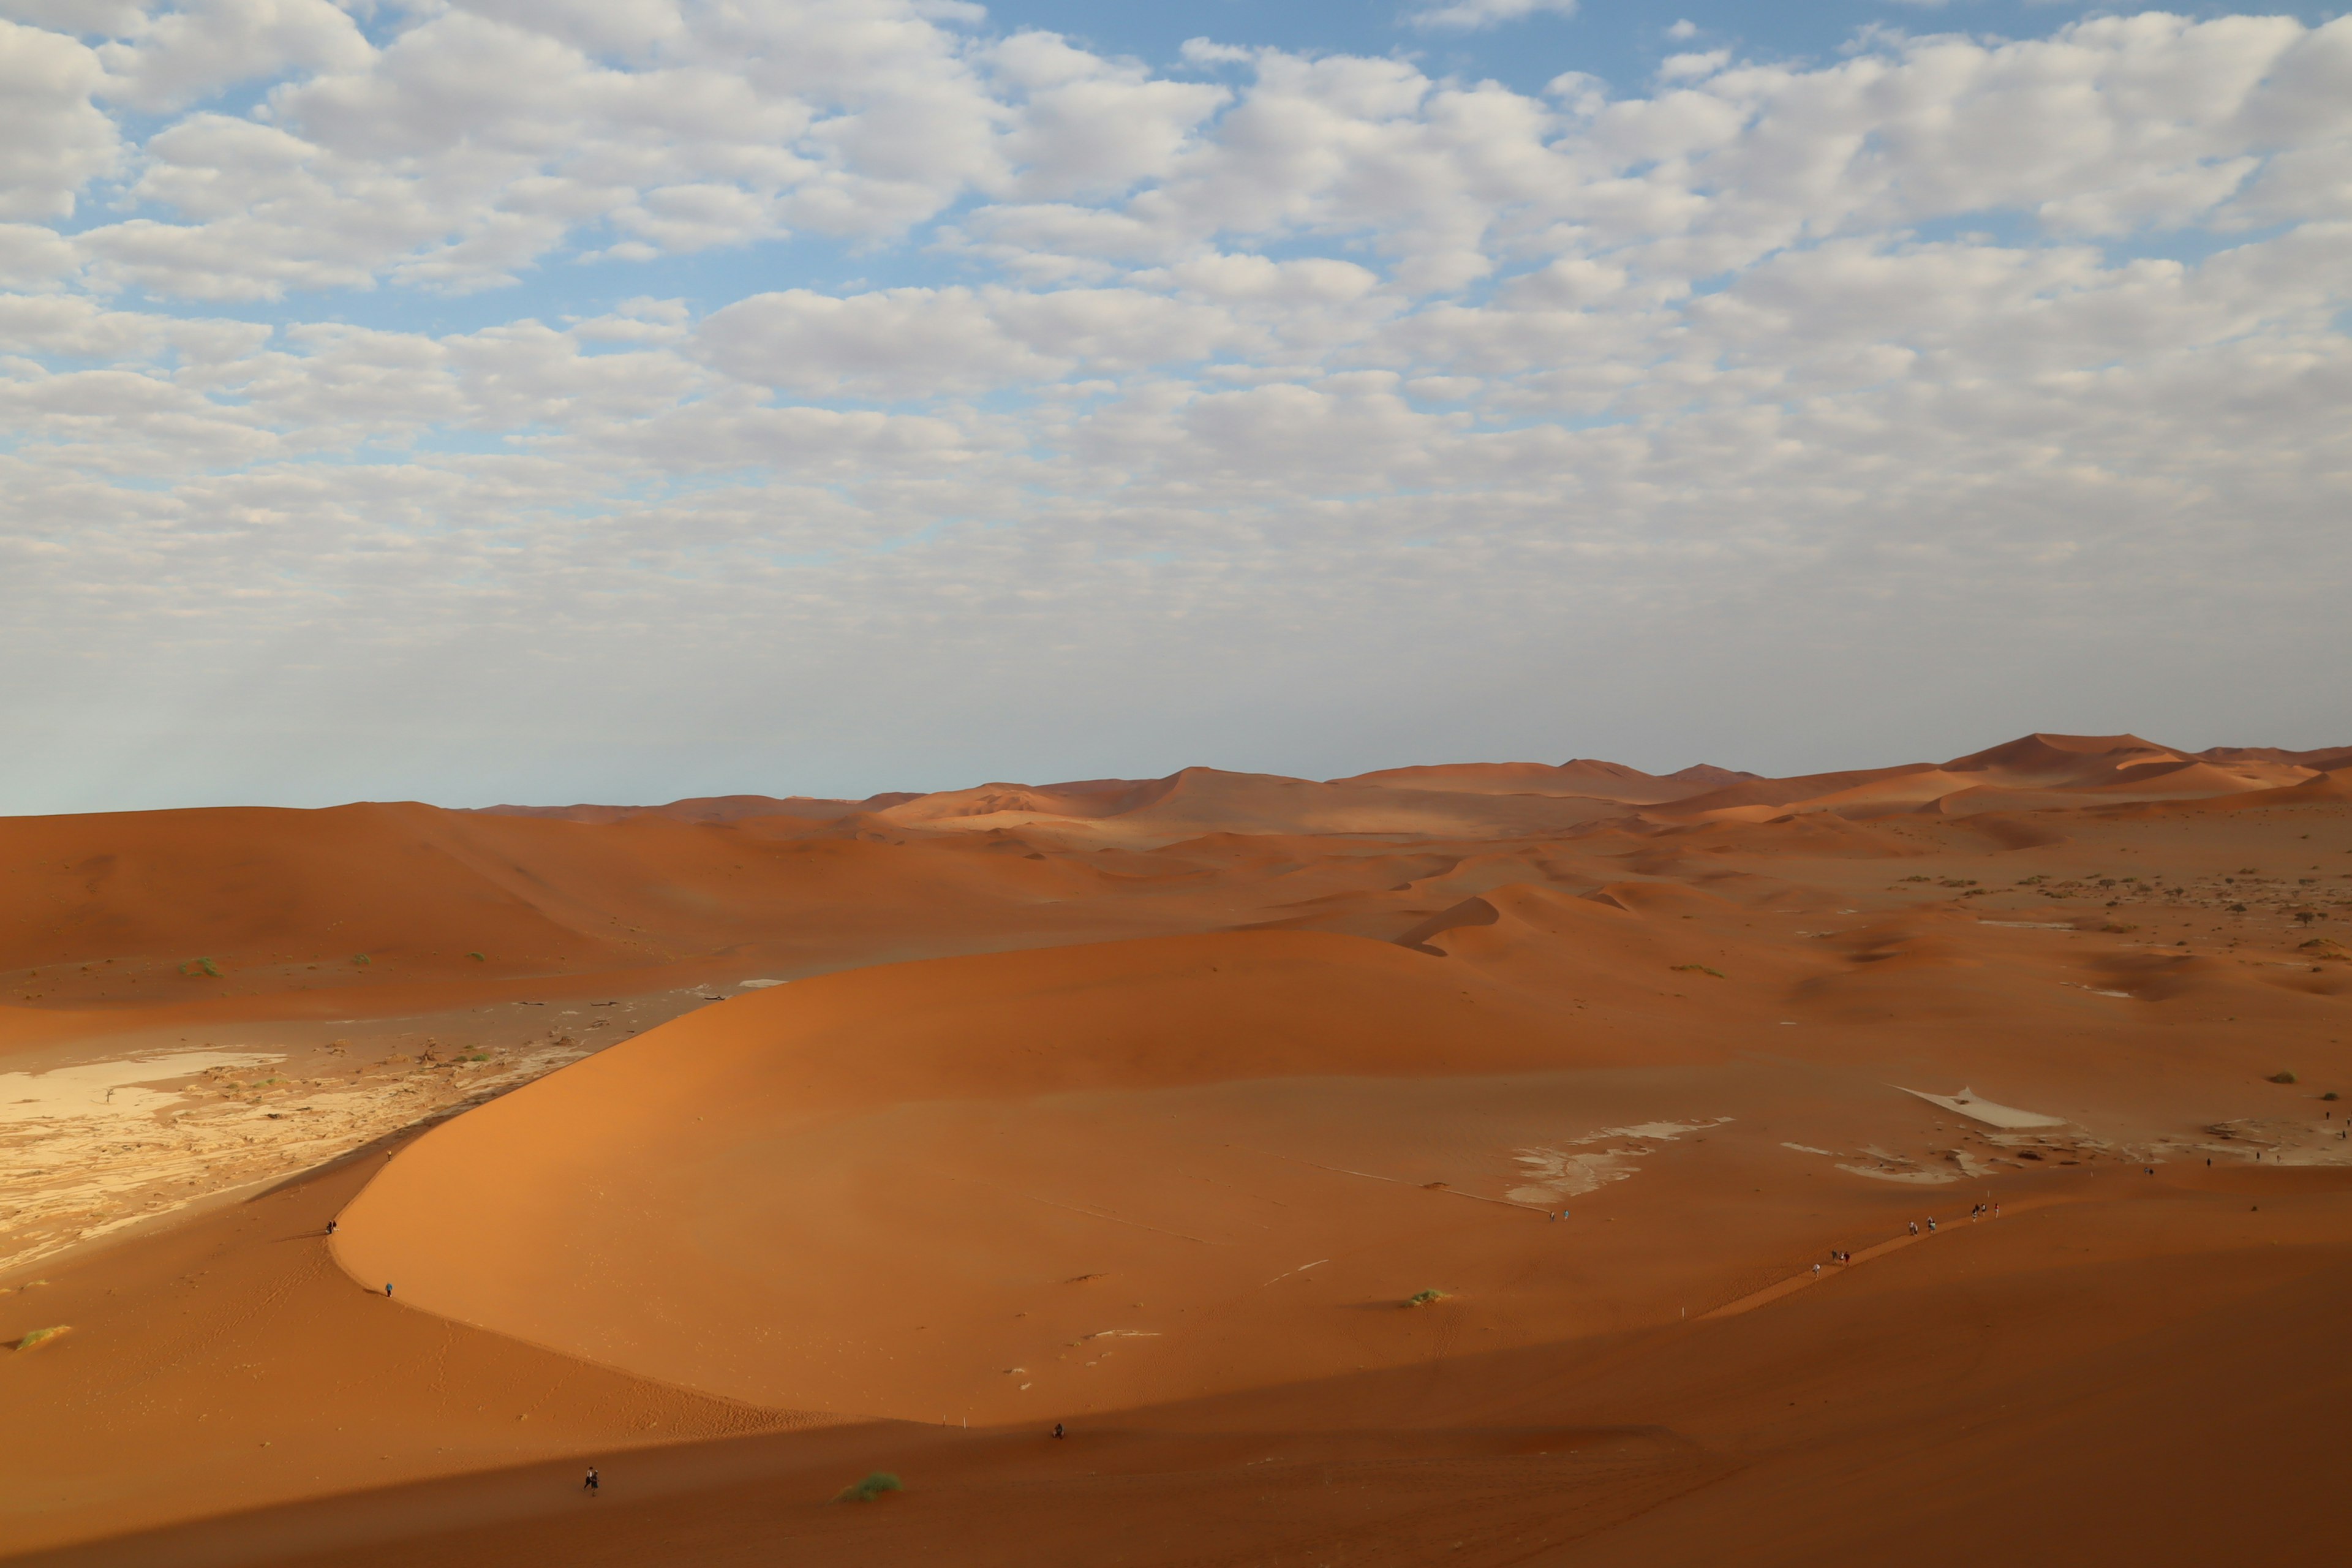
528	399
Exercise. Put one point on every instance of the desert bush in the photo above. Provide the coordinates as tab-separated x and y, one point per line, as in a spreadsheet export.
881	1483
39	1336
2282	1078
1424	1298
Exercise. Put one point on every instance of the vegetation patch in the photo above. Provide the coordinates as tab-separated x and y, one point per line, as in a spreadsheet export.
201	966
2282	1078
41	1337
878	1485
1698	969
1424	1298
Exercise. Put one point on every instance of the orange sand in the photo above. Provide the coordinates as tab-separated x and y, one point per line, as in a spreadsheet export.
1145	1107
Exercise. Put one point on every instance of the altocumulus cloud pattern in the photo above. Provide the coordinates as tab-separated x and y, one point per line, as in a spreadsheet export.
868	388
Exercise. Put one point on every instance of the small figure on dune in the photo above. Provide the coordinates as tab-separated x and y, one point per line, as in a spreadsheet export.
1914	1227
1058	1430
387	1287
330	1227
591	1485
1931	1222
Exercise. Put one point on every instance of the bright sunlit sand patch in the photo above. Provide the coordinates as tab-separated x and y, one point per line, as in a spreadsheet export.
88	1148
1969	1104
116	1089
1556	1173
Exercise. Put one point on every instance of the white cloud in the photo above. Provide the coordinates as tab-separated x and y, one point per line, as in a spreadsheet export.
184	55
2046	336
52	140
1474	14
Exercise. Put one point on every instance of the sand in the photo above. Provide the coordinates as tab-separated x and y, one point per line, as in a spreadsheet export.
769	1142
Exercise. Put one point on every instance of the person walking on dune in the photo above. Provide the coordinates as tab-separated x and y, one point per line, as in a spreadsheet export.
591	1485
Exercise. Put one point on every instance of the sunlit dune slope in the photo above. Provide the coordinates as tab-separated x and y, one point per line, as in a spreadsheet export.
1580	776
1204	800
755	1200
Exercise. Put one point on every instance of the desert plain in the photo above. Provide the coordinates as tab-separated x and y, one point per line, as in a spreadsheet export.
1486	1164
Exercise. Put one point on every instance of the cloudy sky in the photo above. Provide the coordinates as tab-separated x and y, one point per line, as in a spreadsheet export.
622	399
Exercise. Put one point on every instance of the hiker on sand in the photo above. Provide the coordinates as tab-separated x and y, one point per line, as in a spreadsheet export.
387	1287
591	1486
1914	1227
330	1227
1058	1430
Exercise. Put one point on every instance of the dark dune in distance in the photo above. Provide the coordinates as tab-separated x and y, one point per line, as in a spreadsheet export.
745	1145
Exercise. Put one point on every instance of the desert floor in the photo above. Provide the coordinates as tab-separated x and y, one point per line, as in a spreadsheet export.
1938	1164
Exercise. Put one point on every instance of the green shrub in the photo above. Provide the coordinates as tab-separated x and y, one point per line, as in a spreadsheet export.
39	1336
2282	1078
1424	1298
879	1484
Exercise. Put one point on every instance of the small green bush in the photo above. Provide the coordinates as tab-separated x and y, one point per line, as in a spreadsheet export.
879	1484
359	957
39	1336
2282	1078
478	958
1424	1298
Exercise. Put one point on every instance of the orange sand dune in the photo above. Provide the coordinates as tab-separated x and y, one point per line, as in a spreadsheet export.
1580	776
771	1141
1204	800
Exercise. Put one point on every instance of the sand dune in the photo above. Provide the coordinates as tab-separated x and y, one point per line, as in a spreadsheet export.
1580	776
769	1141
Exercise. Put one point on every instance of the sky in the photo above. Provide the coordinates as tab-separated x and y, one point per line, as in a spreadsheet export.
548	401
